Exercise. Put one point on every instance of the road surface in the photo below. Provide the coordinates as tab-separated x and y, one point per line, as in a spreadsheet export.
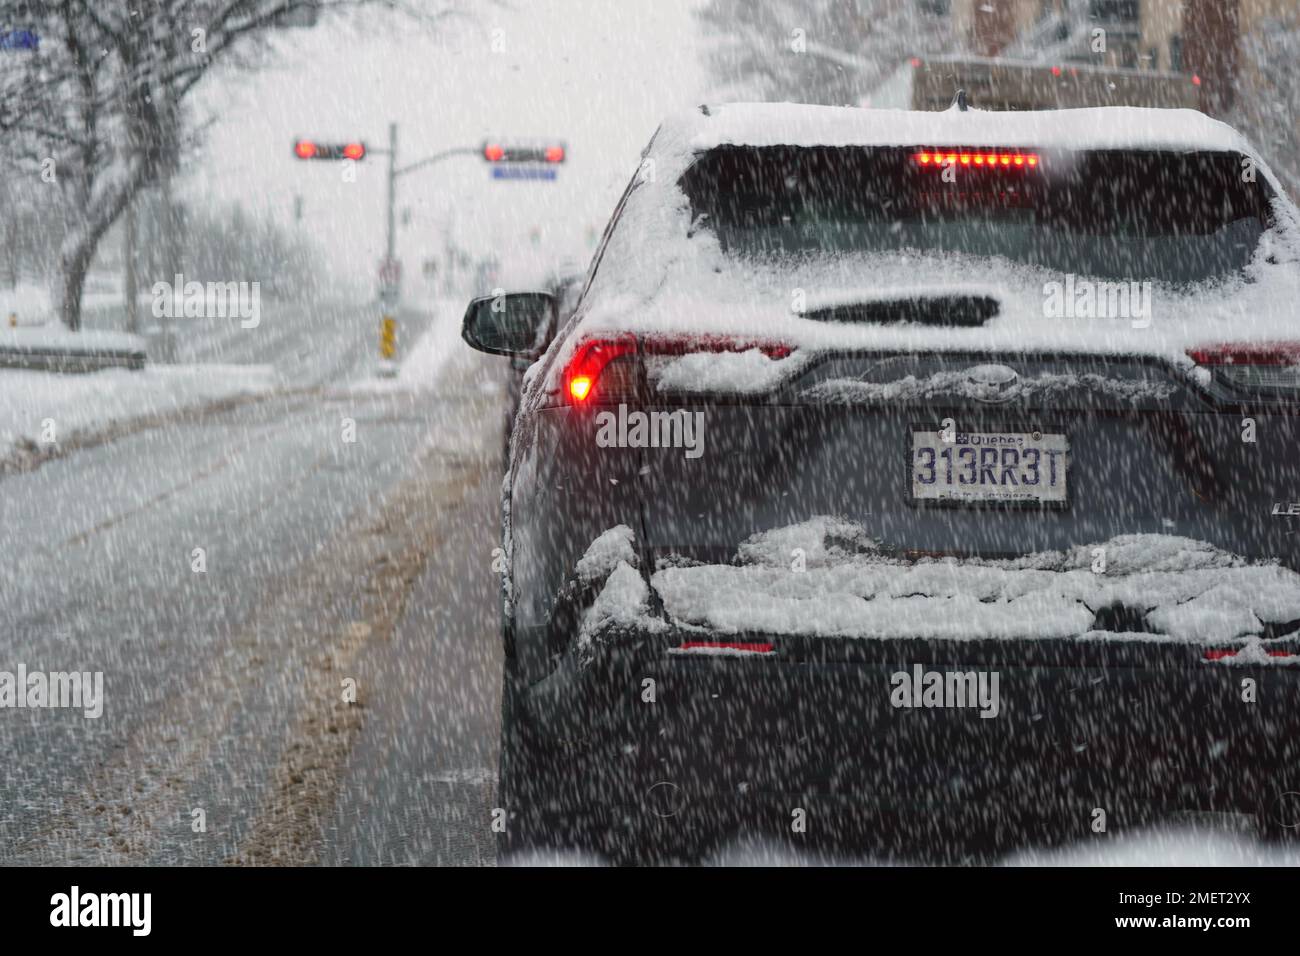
330	569
225	736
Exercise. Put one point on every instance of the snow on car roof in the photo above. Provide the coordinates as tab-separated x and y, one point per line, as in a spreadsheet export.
659	275
794	124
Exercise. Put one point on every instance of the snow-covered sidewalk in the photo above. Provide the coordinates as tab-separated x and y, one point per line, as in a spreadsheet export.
39	411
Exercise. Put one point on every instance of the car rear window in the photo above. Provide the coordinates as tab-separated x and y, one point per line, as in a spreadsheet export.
1116	214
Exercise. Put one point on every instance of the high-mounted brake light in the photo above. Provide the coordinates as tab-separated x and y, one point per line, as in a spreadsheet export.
970	157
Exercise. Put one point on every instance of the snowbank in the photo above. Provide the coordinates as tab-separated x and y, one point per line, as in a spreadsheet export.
28	304
54	337
37	405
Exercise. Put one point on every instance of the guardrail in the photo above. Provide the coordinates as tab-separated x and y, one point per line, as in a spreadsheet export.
41	359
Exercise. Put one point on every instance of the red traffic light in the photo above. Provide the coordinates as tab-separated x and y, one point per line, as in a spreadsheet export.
525	153
309	149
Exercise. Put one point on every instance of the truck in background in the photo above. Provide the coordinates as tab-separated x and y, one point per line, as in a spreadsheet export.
930	83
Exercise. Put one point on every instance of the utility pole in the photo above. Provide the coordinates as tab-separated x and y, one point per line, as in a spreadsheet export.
391	276
392	189
169	258
129	240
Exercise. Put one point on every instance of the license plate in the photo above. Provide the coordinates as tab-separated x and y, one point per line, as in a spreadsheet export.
989	467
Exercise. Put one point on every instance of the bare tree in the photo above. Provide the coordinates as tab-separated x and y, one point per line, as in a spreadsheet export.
817	51
98	109
1268	94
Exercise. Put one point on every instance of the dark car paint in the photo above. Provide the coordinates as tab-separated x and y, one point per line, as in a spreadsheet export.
739	743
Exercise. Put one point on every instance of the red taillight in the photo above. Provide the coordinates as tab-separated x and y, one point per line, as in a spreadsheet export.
304	149
969	157
1261	367
554	154
600	368
494	152
354	151
1222	653
589	362
1262	353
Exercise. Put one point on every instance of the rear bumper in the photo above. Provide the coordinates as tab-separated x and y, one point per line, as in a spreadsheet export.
777	733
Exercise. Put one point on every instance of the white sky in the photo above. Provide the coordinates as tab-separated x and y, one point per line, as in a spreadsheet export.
599	74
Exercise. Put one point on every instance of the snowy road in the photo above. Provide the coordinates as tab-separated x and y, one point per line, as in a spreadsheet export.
327	562
224	735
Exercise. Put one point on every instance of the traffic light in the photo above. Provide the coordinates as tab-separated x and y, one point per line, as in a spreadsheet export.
310	149
495	152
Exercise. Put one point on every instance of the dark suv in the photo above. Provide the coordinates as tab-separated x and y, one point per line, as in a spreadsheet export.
915	464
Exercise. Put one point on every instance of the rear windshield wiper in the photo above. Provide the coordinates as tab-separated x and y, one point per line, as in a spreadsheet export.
942	310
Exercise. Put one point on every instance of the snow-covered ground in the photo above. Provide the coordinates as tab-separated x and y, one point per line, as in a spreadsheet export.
25	304
54	336
421	361
38	406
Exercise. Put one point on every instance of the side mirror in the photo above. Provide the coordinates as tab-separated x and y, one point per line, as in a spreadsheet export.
519	324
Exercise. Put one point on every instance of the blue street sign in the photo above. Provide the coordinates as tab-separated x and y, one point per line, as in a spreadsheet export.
19	40
523	172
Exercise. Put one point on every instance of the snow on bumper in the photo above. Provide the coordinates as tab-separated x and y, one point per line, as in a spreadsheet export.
840	583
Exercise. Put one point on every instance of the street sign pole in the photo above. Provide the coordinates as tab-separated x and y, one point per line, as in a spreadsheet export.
392	188
388	285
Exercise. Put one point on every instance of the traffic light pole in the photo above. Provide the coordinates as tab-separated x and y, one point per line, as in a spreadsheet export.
388	292
395	172
392	190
